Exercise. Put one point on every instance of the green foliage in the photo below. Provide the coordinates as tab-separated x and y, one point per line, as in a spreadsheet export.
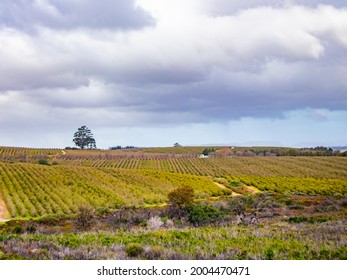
181	197
134	250
52	219
269	253
18	229
84	138
31	228
311	220
207	151
297	220
234	183
202	214
102	211
43	161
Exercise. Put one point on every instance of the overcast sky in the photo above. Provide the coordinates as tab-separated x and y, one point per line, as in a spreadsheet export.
156	72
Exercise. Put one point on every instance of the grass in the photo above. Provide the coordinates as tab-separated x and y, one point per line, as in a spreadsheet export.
275	241
127	234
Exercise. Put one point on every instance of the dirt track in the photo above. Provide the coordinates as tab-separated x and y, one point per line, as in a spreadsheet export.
3	211
224	187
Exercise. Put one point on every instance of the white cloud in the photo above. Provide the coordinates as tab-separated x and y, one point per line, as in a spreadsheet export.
197	63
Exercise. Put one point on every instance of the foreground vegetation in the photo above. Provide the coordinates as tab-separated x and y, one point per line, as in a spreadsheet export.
120	205
289	227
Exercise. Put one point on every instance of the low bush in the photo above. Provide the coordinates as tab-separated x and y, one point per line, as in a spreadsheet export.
153	253
84	217
52	219
18	229
43	161
31	229
297	220
202	214
134	250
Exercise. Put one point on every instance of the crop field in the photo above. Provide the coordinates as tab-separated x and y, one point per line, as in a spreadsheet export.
42	191
31	190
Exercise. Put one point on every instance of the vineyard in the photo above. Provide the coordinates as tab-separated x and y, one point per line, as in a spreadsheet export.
34	190
316	167
68	179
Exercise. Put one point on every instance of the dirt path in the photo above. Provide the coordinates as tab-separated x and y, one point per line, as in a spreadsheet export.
3	212
224	187
252	189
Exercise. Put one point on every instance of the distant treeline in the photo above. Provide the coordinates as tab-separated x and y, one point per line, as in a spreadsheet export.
264	151
316	151
120	147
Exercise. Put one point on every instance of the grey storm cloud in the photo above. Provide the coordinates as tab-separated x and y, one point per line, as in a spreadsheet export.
118	64
29	14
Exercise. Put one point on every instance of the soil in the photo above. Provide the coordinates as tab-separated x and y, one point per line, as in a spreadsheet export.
224	187
252	189
3	212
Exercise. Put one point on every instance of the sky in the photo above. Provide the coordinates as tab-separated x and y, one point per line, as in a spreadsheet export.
155	72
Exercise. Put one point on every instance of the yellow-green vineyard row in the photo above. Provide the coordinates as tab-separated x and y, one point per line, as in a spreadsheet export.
35	190
315	167
26	154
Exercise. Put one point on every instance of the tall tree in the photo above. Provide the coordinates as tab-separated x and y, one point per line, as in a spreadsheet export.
84	138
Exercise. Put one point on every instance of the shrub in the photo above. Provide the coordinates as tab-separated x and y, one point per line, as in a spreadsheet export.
154	223
240	204
18	229
203	214
153	253
297	220
31	229
181	197
134	250
43	161
84	217
269	253
52	219
103	211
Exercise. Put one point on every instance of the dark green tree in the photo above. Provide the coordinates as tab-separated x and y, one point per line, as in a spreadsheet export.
84	138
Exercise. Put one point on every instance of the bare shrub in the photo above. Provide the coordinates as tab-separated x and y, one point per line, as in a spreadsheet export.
249	209
153	253
154	223
84	217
